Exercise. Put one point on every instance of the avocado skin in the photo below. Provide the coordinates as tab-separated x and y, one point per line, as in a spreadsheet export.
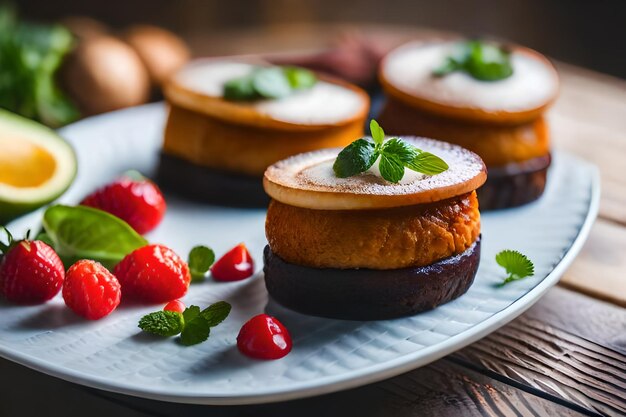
367	294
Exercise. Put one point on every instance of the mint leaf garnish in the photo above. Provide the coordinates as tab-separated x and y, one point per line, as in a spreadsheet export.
193	324
427	163
355	158
395	154
516	264
391	167
481	60
162	323
377	132
216	313
200	260
269	83
195	331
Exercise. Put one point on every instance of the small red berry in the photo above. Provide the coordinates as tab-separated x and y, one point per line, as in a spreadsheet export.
264	337
175	305
154	274
30	272
137	201
90	290
235	265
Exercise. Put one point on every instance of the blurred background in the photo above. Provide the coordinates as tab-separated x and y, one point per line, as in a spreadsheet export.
61	60
583	32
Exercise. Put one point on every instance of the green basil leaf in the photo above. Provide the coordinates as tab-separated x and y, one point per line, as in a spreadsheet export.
271	82
240	89
377	132
300	78
450	65
87	233
400	149
216	313
355	158
391	168
200	260
162	323
195	331
428	164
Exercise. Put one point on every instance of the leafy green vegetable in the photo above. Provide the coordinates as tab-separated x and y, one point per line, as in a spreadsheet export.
200	260
516	264
30	56
394	154
162	323
269	82
87	233
483	61
193	325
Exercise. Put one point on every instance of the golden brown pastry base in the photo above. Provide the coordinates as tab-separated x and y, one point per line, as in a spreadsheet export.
367	294
213	143
496	144
377	239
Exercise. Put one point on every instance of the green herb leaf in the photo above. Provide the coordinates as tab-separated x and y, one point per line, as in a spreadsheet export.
427	163
516	264
355	158
191	313
391	168
401	150
216	313
377	132
271	82
240	89
300	78
87	233
483	61
195	331
162	323
200	260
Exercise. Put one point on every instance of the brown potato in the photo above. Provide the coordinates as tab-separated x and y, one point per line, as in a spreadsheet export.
161	51
103	74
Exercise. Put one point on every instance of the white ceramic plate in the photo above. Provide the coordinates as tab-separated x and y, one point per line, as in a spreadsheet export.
328	355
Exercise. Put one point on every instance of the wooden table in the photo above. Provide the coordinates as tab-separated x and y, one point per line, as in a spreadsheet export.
565	356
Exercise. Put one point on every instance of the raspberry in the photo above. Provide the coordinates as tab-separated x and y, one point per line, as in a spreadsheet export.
90	290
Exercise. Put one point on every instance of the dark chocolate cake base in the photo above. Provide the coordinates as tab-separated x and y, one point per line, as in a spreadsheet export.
199	183
368	294
514	184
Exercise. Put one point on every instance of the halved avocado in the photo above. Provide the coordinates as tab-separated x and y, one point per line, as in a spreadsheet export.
36	166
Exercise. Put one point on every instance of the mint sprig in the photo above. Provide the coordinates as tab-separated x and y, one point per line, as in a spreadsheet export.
200	260
193	325
395	154
483	61
516	265
269	83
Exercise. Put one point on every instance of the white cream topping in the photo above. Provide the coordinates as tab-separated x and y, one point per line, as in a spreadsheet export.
324	103
409	69
313	171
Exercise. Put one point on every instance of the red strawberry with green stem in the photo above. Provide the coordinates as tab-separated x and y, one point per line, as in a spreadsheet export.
30	271
133	198
90	290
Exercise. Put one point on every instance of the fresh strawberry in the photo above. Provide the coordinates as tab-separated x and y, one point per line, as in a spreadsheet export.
264	337
30	271
154	274
235	265
175	305
132	198
90	290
